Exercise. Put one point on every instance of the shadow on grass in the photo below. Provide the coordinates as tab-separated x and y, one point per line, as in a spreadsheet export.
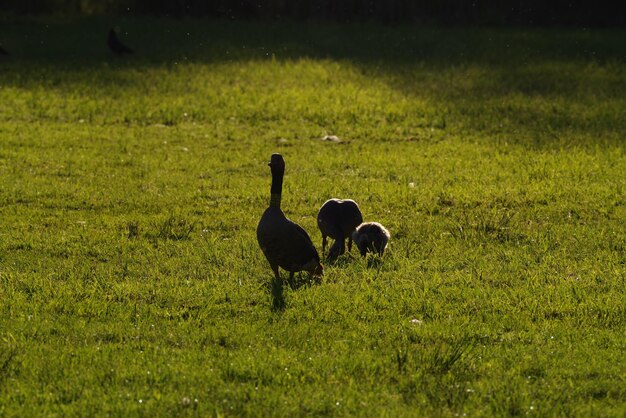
278	295
81	42
562	81
277	289
343	260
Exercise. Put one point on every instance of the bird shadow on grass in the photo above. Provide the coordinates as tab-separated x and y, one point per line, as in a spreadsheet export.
373	261
342	260
277	291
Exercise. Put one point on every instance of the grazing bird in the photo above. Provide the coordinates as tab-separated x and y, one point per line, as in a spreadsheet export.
371	236
116	46
284	243
338	219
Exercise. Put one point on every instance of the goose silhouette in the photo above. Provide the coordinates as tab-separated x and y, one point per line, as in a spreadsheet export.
285	243
337	219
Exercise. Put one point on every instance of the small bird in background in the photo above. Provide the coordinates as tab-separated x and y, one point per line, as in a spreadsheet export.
116	46
3	51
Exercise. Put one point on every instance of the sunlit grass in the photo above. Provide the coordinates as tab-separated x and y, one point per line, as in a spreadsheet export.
131	282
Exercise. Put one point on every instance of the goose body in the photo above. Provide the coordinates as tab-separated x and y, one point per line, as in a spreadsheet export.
338	219
371	236
116	46
284	243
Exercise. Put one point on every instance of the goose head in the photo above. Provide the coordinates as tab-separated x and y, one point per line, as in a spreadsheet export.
277	163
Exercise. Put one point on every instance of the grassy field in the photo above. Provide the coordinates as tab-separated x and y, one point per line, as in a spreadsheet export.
131	282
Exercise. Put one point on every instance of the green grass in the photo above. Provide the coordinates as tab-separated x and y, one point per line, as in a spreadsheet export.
131	282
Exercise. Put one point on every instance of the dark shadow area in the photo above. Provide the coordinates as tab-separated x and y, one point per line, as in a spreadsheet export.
498	12
278	296
407	57
277	289
459	71
78	43
343	260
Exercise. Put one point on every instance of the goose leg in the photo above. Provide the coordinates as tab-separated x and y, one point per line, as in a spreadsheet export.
350	243
335	232
342	248
291	282
324	242
336	250
363	246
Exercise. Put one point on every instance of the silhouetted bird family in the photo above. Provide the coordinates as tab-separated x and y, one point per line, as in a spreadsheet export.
116	46
287	245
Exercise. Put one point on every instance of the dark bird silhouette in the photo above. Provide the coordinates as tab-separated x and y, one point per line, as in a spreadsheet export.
285	243
116	46
338	219
371	236
3	51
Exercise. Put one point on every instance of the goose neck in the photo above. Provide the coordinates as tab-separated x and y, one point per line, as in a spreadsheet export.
277	188
275	200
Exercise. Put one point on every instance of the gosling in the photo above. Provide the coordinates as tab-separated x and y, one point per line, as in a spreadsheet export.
371	236
338	219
